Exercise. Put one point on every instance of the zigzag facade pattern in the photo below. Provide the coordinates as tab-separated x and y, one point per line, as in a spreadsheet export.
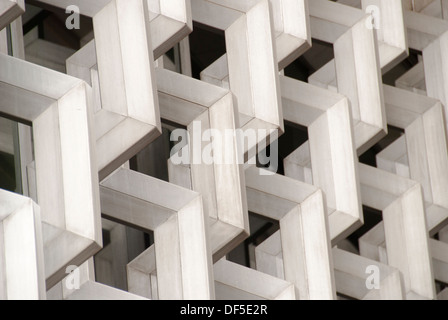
87	123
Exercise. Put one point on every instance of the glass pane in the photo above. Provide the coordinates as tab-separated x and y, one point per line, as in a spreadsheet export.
7	161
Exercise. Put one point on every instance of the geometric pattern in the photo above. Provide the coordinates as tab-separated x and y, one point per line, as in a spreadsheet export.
121	93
